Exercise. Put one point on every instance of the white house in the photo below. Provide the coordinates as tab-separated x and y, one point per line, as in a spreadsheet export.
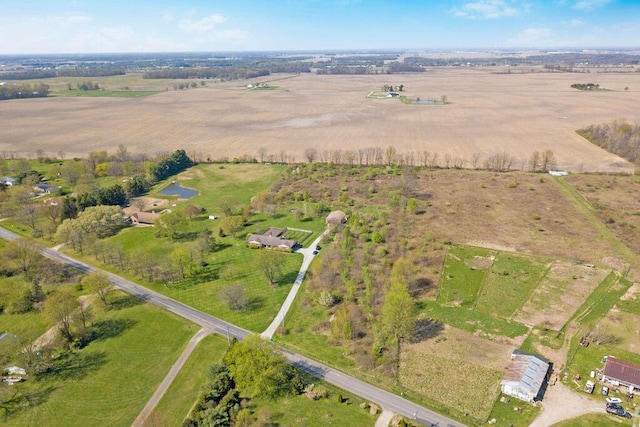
526	377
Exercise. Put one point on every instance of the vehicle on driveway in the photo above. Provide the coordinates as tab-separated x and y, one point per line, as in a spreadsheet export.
589	386
604	391
614	400
619	411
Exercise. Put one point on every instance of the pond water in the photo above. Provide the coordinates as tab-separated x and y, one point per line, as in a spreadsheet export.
427	101
175	189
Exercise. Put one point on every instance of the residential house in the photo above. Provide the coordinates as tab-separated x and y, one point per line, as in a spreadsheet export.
144	218
526	377
43	188
621	373
272	239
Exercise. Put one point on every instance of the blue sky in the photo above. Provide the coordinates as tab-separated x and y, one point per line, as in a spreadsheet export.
80	26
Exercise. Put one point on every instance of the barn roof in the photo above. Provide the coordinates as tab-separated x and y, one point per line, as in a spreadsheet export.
528	370
622	371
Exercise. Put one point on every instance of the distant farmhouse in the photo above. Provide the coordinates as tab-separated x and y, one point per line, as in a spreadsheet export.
526	377
620	373
272	239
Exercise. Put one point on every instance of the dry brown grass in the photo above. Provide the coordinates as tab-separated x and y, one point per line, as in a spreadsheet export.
563	290
466	379
489	113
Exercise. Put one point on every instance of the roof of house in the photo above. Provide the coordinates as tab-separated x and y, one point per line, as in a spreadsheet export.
528	370
8	180
623	371
276	232
336	217
145	217
272	241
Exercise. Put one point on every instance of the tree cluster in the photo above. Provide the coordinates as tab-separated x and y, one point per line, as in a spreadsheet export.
25	90
84	71
171	165
88	85
223	73
618	137
250	369
586	86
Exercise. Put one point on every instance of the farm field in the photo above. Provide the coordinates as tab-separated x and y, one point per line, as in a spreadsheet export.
488	113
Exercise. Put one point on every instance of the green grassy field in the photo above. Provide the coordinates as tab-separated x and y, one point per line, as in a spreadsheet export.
301	411
109	381
463	273
509	284
595	420
175	405
105	93
506	415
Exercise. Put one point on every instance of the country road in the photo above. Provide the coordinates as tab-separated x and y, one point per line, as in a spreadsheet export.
367	391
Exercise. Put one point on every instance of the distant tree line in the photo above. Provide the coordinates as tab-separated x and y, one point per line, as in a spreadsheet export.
25	90
223	73
618	137
32	74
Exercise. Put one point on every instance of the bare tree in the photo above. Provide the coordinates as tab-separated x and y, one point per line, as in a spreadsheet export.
475	160
534	161
310	154
262	154
235	297
547	161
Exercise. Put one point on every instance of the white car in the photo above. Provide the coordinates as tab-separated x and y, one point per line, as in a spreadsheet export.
613	400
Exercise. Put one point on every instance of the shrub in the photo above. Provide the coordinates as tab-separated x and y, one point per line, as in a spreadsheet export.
326	299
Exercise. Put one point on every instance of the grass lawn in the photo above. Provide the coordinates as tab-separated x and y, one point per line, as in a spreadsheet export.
177	402
506	413
472	321
595	420
301	411
111	379
463	273
509	284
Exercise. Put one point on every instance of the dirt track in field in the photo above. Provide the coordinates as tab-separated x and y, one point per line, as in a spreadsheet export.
489	113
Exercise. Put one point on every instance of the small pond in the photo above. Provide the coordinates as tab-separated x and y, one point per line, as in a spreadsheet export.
175	189
427	101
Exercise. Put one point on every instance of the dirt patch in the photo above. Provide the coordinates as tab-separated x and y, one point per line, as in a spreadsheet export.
481	262
563	290
561	403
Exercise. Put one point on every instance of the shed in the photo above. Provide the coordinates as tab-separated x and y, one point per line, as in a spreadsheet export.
526	377
620	372
336	217
9	181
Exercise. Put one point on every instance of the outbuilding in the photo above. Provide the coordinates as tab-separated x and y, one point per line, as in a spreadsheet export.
336	217
526	377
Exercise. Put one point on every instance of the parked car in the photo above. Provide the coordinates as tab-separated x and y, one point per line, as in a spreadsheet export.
318	248
604	391
614	400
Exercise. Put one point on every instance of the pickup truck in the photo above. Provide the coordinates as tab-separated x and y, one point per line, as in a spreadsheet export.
589	386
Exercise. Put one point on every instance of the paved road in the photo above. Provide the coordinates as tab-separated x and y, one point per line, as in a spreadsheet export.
173	372
308	255
367	391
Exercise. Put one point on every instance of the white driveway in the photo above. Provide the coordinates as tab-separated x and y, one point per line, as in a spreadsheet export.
308	255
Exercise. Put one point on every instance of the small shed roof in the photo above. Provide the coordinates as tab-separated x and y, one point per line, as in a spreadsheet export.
622	371
336	217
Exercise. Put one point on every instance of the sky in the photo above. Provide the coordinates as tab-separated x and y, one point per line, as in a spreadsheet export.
104	26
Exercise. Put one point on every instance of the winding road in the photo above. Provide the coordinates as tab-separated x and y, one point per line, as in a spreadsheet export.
366	391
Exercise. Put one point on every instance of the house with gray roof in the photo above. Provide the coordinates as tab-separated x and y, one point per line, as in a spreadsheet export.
272	239
526	377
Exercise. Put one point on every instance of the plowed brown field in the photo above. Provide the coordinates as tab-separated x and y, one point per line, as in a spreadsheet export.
488	113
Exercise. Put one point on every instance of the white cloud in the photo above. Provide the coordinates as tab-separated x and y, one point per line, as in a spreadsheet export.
488	9
573	23
202	25
65	19
533	37
589	5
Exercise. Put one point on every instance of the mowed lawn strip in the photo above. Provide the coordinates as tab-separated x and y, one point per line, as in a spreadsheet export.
183	393
109	381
